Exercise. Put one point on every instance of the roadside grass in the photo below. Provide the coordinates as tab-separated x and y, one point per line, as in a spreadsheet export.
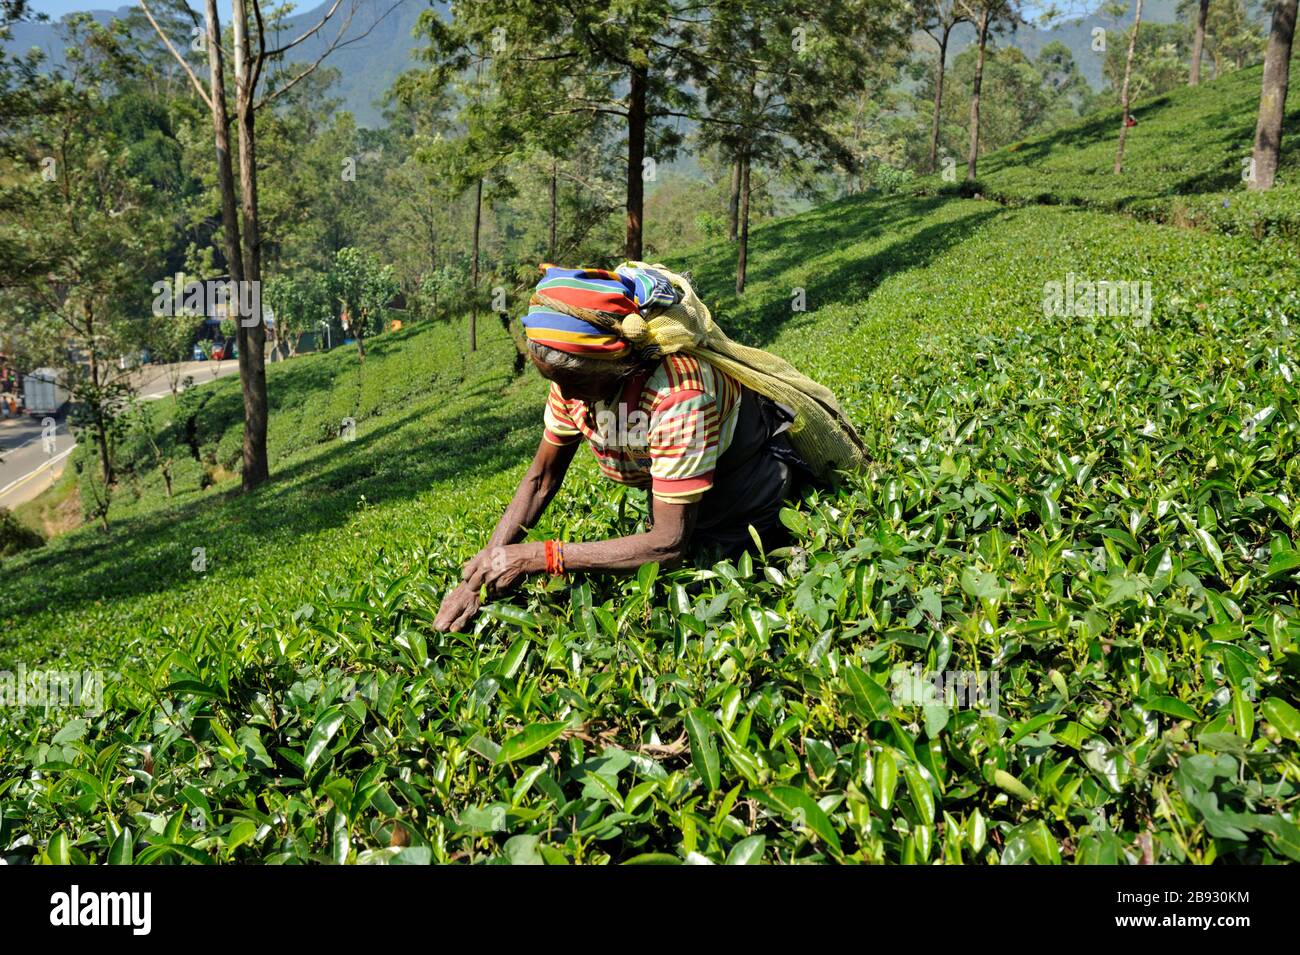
55	510
1099	510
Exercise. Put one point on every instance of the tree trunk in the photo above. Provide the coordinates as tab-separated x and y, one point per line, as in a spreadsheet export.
478	225
221	132
1123	96
938	101
1272	98
555	188
1198	44
733	205
101	428
250	332
636	125
742	257
975	96
101	442
433	270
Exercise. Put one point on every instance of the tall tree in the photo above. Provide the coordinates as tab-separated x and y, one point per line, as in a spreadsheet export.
987	16
773	78
1019	98
419	224
1272	97
626	59
1124	89
551	184
937	18
1234	38
27	92
315	179
477	62
733	203
1061	77
1198	42
1160	61
243	238
82	227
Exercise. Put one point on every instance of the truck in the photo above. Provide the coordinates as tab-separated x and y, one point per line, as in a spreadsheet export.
42	393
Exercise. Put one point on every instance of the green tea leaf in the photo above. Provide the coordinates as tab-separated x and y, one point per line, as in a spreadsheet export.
326	726
531	739
1283	717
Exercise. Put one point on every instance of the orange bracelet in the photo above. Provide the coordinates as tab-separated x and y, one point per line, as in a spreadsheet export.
554	551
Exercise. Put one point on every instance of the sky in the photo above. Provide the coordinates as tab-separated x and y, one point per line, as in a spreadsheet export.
57	8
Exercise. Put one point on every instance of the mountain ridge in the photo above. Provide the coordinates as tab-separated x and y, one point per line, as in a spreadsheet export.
368	65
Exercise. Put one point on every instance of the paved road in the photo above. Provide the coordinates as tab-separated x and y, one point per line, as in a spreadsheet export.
152	381
32	456
31	460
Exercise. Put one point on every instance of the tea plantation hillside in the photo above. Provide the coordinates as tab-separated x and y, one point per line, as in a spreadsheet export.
1097	511
1185	162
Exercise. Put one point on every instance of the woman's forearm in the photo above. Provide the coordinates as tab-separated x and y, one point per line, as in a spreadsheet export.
531	498
615	554
665	543
623	553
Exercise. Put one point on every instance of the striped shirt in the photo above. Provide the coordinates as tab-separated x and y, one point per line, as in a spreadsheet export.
665	431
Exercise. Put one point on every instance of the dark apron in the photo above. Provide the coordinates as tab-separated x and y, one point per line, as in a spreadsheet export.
758	473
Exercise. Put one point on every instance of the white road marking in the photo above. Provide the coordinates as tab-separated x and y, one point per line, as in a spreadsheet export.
222	371
36	470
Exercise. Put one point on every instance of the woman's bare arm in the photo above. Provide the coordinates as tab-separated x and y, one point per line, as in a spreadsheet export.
536	489
503	562
665	543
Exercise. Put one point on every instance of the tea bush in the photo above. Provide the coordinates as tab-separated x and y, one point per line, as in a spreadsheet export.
1184	162
15	536
1098	510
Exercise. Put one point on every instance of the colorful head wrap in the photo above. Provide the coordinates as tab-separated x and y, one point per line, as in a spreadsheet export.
581	311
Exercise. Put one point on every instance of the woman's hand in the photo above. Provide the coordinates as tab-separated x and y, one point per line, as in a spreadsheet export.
502	567
457	610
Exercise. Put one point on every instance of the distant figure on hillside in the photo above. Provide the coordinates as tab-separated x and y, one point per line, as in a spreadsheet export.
719	435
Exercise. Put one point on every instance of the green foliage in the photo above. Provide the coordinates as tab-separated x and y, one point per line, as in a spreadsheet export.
1018	98
890	180
16	536
362	287
1159	60
442	292
1234	37
300	302
169	336
1184	163
1099	511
